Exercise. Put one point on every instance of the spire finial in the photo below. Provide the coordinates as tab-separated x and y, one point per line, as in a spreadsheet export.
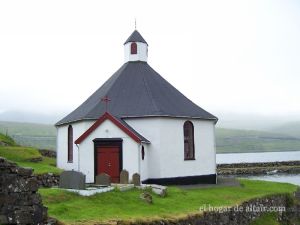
135	23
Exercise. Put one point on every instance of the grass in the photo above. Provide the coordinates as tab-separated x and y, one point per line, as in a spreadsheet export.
71	208
7	140
23	155
266	219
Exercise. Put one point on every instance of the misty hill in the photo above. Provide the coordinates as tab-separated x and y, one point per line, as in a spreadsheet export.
227	140
30	134
292	128
234	140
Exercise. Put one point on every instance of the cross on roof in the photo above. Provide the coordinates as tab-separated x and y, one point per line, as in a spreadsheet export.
106	100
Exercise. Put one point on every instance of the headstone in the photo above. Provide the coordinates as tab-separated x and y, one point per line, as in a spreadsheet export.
72	180
136	179
124	177
103	179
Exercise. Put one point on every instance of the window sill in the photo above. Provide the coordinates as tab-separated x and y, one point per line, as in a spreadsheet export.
70	162
189	159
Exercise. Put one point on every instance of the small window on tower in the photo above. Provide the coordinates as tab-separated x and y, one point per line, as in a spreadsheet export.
133	48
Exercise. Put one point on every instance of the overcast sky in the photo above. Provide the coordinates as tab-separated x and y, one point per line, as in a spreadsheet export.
226	56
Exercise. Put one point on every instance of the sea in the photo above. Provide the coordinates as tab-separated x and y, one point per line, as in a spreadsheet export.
264	157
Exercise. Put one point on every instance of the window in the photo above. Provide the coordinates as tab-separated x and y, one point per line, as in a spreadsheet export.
189	149
70	143
143	153
133	48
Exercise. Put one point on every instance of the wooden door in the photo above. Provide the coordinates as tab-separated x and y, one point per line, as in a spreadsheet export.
108	161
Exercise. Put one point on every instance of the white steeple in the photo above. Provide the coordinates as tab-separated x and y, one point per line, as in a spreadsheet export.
135	48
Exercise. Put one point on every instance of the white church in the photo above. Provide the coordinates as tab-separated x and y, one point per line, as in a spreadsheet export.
139	122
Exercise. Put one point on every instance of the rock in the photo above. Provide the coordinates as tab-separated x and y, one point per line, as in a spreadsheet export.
37	159
48	153
147	197
159	190
19	201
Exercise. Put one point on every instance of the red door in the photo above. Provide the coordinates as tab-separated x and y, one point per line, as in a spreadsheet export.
108	161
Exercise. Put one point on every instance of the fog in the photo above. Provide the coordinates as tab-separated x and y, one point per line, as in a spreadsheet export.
229	57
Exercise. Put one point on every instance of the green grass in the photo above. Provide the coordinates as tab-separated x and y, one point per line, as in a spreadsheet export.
266	219
7	140
22	156
71	208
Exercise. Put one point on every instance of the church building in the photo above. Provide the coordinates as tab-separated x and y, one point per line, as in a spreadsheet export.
137	121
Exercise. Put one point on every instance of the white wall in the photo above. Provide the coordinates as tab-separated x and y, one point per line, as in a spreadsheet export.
164	157
108	130
62	144
165	154
142	52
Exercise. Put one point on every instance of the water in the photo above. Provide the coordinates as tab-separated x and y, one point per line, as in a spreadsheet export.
264	157
258	157
284	178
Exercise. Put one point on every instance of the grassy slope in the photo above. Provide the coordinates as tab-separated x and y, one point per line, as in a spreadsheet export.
72	208
7	140
292	129
22	155
230	140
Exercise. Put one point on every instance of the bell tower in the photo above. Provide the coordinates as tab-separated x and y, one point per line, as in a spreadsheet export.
135	48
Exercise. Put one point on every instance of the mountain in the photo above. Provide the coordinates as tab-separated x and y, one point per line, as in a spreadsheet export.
291	128
234	140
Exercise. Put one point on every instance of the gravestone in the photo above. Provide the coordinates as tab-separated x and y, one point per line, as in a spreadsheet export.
136	179
124	177
72	180
103	179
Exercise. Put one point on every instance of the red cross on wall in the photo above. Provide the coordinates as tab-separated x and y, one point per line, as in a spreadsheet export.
106	100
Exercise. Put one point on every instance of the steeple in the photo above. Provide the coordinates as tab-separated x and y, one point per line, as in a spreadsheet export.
135	48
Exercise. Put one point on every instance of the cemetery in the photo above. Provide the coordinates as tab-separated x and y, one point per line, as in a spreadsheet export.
74	181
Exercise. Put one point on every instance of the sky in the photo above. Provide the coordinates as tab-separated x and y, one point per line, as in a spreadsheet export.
226	56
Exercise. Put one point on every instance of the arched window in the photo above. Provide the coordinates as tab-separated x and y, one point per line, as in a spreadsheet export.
133	48
189	148
70	143
143	152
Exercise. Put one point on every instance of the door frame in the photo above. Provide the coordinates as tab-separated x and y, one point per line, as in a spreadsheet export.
107	142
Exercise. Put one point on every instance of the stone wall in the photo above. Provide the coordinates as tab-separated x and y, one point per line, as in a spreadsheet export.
291	167
243	214
19	201
47	180
48	153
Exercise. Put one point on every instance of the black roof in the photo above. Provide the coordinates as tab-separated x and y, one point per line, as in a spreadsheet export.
136	90
135	37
